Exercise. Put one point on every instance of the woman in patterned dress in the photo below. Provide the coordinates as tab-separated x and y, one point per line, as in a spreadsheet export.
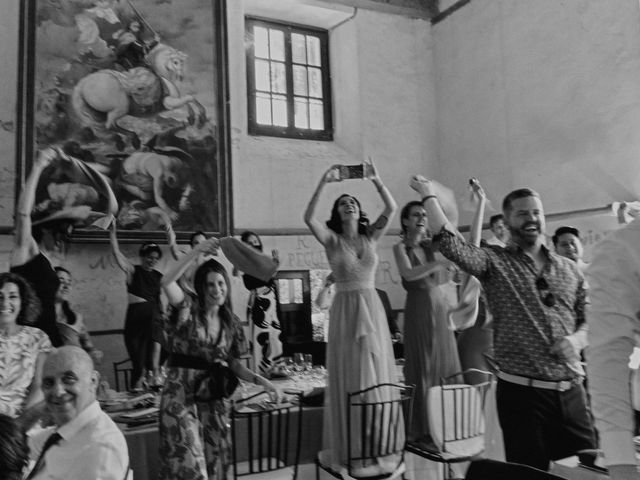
23	348
359	349
263	309
202	331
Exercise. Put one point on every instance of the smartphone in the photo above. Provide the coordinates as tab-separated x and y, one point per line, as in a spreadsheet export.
354	171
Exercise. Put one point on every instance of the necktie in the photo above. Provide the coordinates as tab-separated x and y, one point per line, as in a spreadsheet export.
51	441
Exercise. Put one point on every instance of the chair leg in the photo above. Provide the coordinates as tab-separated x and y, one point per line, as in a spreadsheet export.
317	472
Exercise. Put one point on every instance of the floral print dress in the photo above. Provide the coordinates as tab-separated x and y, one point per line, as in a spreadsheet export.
195	436
18	356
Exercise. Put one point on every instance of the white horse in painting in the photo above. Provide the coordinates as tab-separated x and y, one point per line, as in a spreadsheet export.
103	97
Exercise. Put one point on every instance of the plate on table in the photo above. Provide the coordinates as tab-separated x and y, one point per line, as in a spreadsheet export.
142	416
141	401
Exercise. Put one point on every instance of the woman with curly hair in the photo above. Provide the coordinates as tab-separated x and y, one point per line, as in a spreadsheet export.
359	349
206	341
23	347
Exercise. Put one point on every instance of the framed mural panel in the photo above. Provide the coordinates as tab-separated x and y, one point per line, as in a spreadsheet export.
137	90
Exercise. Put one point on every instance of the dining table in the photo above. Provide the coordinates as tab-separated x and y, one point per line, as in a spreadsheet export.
140	426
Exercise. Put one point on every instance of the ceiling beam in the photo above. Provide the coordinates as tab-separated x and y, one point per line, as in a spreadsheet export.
409	8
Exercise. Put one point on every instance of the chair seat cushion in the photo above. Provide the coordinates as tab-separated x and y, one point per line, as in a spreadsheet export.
385	468
456	419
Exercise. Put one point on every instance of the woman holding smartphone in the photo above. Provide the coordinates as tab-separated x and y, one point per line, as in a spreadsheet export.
359	350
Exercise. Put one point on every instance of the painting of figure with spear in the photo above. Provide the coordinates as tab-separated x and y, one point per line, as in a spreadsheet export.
131	87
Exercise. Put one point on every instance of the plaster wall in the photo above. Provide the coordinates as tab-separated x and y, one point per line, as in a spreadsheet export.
384	106
541	94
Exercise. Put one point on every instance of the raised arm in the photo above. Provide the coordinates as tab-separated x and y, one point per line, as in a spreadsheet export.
317	227
382	223
123	262
24	245
410	272
470	258
171	240
435	214
475	233
175	294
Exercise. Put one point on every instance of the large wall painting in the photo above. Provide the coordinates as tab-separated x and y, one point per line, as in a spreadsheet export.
137	90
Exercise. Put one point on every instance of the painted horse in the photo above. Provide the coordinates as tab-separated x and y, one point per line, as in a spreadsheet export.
102	98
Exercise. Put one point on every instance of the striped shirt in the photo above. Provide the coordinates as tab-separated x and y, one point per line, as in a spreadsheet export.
525	327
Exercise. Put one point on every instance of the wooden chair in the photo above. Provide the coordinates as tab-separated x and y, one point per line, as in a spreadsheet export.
456	420
376	418
123	369
269	434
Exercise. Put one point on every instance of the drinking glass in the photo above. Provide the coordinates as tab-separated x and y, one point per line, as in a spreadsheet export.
308	363
298	362
287	365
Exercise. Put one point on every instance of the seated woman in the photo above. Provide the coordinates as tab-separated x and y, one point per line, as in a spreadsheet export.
70	323
23	347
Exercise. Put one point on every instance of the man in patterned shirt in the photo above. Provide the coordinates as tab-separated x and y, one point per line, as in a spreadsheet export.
537	299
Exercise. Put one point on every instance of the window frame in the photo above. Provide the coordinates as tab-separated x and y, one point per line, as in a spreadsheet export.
290	131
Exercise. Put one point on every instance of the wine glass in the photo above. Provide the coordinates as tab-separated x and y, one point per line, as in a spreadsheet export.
298	362
287	365
308	363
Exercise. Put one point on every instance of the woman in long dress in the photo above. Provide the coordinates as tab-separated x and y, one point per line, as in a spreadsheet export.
359	349
429	345
203	337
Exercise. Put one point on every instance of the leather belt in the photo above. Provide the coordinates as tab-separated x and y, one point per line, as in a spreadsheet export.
560	386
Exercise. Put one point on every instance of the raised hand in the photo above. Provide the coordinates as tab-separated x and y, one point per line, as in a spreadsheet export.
332	175
209	246
422	185
371	172
45	157
476	188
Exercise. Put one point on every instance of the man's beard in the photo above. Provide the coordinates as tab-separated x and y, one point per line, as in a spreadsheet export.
519	235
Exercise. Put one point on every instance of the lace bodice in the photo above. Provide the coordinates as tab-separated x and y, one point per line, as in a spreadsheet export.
351	271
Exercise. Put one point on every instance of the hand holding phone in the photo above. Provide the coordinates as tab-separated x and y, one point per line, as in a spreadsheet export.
348	172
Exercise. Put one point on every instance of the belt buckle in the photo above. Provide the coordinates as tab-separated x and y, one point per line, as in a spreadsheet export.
564	385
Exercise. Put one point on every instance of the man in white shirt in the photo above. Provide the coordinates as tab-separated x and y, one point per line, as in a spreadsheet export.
614	325
85	444
500	231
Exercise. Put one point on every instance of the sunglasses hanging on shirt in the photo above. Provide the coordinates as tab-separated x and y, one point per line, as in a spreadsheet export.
547	297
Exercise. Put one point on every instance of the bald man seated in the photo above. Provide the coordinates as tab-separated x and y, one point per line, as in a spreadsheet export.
85	443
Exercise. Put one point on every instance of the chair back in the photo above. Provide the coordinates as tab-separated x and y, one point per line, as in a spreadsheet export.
122	372
376	418
456	413
266	437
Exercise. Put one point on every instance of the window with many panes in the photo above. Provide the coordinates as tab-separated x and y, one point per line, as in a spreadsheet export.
288	81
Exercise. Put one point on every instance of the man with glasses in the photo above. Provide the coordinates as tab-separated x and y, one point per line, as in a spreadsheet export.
537	299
